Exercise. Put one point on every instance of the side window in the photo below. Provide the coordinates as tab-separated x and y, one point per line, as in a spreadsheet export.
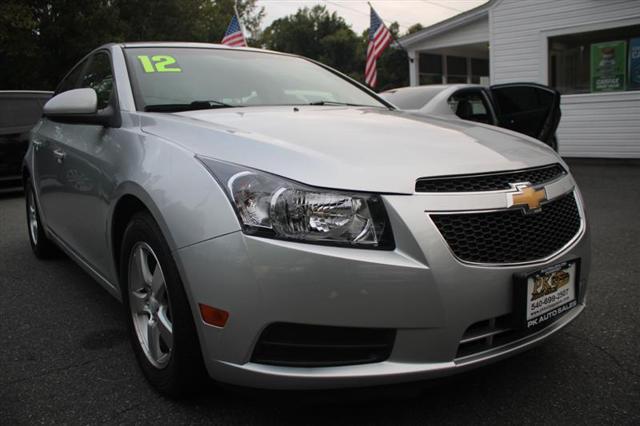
527	109
519	99
99	77
71	80
19	112
470	106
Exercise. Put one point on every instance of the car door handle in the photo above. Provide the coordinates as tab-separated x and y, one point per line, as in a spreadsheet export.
59	154
37	143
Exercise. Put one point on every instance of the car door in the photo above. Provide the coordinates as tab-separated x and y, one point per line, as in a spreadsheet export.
88	171
47	140
527	108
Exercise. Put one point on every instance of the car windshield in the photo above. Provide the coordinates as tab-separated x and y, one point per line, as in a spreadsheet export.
412	98
180	79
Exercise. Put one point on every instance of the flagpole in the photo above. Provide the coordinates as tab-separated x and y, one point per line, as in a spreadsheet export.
235	9
394	38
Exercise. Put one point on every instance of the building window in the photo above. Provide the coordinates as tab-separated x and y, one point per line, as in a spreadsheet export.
456	69
430	68
596	61
479	69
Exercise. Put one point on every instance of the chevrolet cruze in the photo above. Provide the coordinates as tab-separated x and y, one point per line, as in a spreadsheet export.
269	222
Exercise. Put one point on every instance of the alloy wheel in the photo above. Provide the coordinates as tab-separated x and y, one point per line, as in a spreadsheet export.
149	304
32	217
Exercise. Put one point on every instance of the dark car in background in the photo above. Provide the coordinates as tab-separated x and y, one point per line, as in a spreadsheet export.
528	108
19	112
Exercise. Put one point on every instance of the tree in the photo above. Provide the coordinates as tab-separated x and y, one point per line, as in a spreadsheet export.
218	14
326	37
414	28
316	34
18	44
68	30
40	40
392	65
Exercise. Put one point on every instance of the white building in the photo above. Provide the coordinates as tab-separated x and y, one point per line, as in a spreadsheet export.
549	42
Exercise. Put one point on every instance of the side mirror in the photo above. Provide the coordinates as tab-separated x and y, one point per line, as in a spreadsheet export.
80	106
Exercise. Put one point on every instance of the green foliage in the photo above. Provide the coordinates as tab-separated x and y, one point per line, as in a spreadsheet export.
415	28
41	39
18	57
314	33
393	70
326	37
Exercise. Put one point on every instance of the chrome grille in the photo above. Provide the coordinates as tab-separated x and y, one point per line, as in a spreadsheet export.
490	181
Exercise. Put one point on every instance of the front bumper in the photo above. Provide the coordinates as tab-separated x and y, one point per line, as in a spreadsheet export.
387	372
419	289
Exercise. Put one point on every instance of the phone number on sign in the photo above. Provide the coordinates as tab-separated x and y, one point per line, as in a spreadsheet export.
550	299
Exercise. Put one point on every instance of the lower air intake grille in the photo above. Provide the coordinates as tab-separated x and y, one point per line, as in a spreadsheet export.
488	334
299	345
510	236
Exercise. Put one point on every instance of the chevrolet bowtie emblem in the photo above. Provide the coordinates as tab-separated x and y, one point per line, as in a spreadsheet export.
527	197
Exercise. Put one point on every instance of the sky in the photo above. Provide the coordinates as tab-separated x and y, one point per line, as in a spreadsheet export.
356	12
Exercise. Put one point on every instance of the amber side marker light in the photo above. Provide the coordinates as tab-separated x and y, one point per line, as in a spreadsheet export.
213	316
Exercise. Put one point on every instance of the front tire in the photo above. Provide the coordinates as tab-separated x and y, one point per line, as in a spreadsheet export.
161	326
41	245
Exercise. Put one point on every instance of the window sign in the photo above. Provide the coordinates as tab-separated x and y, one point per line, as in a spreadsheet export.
608	66
634	63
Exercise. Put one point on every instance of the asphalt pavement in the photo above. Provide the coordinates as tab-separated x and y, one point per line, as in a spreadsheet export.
65	357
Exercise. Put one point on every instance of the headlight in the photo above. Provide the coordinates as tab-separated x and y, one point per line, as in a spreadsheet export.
271	206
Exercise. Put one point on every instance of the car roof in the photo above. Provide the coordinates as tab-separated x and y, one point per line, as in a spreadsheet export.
430	87
26	92
192	45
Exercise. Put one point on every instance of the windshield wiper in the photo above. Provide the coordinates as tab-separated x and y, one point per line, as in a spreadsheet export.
195	105
338	103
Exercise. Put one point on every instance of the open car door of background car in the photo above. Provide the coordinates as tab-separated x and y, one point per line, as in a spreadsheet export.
527	108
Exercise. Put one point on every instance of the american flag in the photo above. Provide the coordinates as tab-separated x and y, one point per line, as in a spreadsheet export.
234	37
379	39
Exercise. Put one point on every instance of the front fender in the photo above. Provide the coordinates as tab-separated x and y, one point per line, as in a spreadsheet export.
186	201
182	196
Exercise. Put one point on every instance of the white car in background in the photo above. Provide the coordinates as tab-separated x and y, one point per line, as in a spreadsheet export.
528	108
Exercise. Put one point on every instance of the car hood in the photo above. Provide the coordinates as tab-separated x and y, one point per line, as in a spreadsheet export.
363	149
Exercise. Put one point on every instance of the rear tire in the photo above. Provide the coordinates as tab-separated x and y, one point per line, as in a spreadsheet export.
41	245
161	326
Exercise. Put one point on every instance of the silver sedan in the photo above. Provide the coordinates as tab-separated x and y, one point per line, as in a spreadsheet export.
269	222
